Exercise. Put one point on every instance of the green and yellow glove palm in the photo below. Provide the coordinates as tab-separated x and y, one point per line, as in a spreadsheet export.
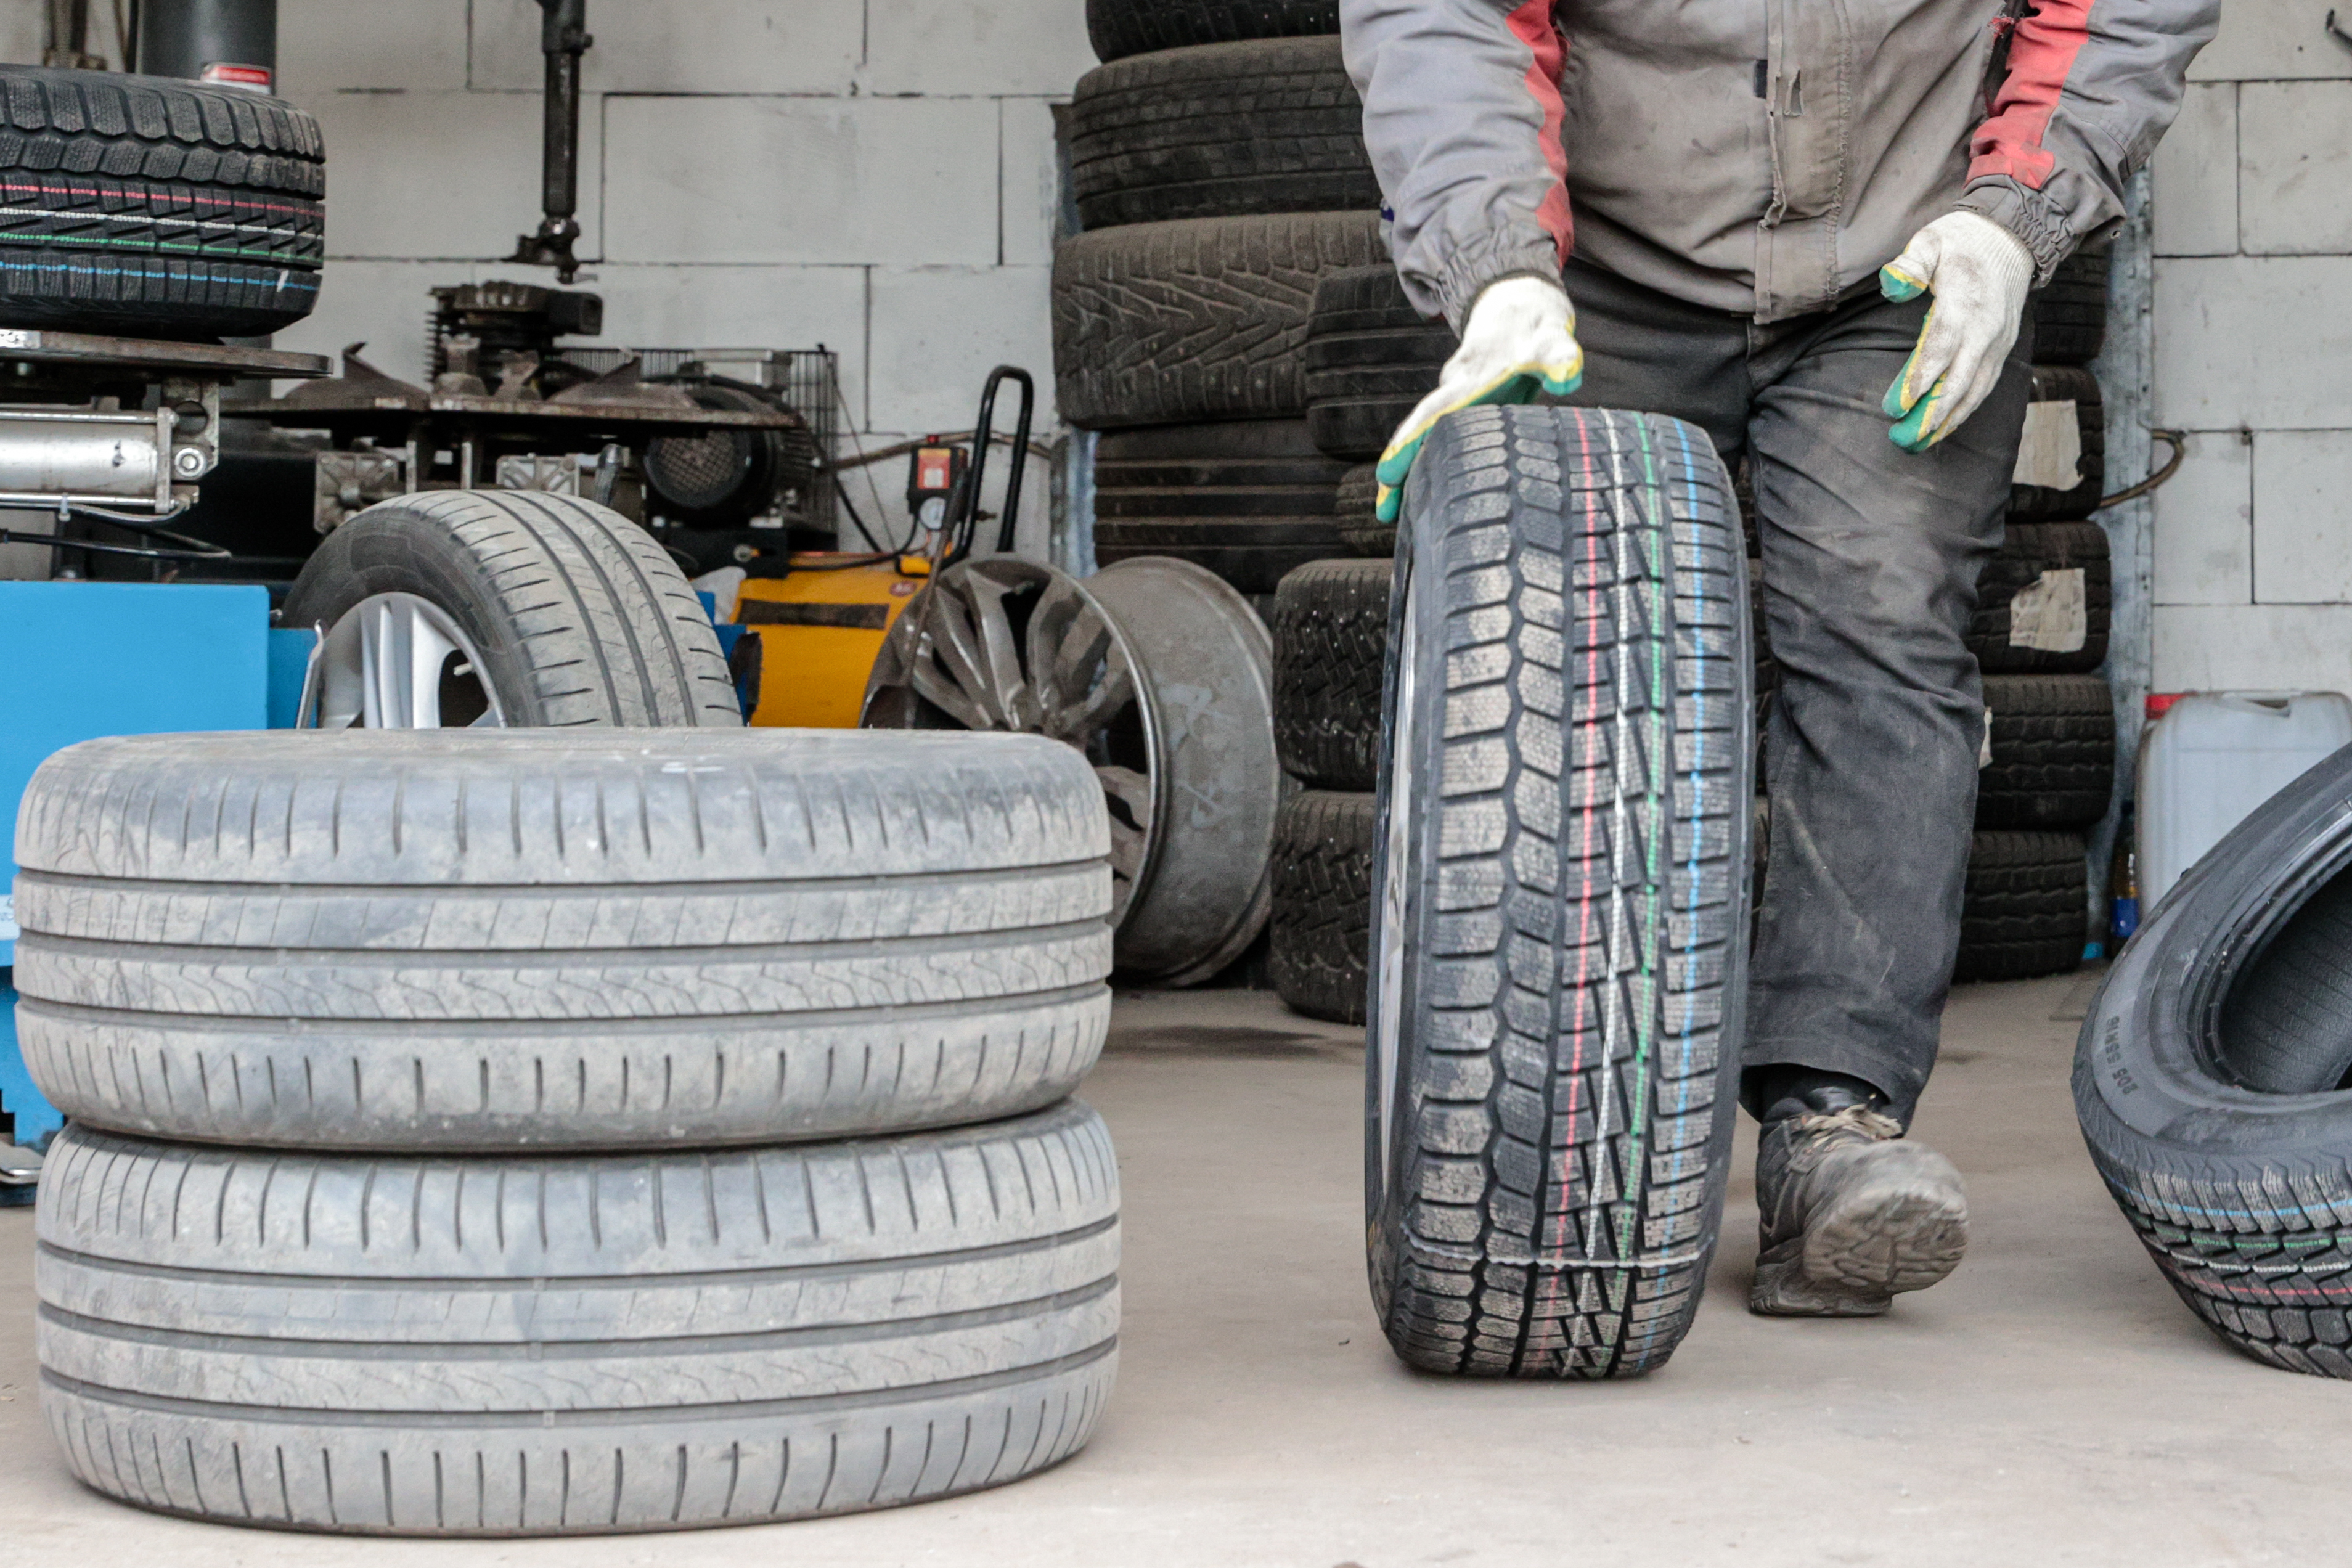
1518	340
1978	273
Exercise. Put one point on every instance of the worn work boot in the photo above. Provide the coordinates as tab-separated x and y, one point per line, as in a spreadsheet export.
1850	1212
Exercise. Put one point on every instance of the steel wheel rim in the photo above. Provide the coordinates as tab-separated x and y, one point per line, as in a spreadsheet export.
1388	1022
397	661
955	659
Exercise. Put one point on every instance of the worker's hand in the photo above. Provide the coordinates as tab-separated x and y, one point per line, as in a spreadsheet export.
1978	273
1519	338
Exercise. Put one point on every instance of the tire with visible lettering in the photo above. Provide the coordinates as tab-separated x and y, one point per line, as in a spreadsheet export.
2213	1080
535	1344
1559	935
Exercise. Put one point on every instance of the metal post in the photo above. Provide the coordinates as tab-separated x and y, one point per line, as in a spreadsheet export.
564	38
232	42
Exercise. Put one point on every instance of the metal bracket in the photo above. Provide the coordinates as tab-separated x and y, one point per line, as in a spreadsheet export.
2336	33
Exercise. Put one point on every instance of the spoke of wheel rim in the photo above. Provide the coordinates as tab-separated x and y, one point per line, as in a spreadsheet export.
1077	723
934	685
955	647
1007	686
1127	847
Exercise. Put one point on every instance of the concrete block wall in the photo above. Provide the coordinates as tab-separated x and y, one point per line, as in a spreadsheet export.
2252	212
879	178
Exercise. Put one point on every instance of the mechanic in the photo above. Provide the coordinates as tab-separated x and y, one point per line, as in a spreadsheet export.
1806	227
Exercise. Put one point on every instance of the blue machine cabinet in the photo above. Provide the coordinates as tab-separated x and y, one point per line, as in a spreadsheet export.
78	660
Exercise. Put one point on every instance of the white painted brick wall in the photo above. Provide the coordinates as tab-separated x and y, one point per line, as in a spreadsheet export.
879	179
2253	357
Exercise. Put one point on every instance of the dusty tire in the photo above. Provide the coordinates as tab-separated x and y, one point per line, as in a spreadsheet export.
541	1346
2054	752
1249	500
1370	358
431	941
1357	506
2027	906
2070	316
2044	602
2210	1079
2064	385
1330	627
1121	27
1547	1138
1220	130
1168	323
147	207
1321	928
578	615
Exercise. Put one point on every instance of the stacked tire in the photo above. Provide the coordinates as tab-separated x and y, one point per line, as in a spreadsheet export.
2039	634
1330	637
1218	166
541	1132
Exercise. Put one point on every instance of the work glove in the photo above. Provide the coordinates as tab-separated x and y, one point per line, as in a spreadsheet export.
1978	273
1518	340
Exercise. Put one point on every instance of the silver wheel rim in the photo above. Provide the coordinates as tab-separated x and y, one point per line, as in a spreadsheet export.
954	659
396	661
1008	645
1388	1025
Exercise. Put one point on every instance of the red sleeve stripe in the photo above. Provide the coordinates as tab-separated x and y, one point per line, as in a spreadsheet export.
2041	54
1531	24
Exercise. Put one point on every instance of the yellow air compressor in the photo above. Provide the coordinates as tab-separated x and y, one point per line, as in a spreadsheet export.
820	625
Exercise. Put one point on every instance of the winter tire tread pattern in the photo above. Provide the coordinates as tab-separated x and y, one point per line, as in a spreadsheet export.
1323	904
1271	125
2210	1080
1119	28
2054	752
1202	318
1546	1183
2031	558
1330	645
2026	908
145	205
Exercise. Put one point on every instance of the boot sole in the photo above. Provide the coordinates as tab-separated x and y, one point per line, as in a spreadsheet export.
1901	1230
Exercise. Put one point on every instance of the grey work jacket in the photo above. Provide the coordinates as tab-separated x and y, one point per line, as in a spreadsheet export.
1759	156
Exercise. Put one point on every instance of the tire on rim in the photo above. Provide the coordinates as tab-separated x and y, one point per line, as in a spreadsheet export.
2213	1080
512	608
1560	940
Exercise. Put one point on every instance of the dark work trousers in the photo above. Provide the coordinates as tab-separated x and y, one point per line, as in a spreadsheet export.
1871	555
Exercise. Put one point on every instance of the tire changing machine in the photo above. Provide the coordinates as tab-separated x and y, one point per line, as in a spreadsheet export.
103	444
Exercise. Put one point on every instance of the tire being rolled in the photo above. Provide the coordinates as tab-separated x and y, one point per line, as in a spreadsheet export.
427	1346
2210	1078
479	940
1555	1014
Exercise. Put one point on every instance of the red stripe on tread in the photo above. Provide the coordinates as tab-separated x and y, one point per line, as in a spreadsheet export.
2040	56
1531	24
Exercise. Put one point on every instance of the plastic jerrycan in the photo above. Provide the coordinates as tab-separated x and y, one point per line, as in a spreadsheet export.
2212	758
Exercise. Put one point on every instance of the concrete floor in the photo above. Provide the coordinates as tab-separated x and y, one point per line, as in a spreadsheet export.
2052	1404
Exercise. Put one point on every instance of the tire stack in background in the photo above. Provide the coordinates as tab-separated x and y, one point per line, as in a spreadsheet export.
538	1133
1330	639
2040	633
1218	165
